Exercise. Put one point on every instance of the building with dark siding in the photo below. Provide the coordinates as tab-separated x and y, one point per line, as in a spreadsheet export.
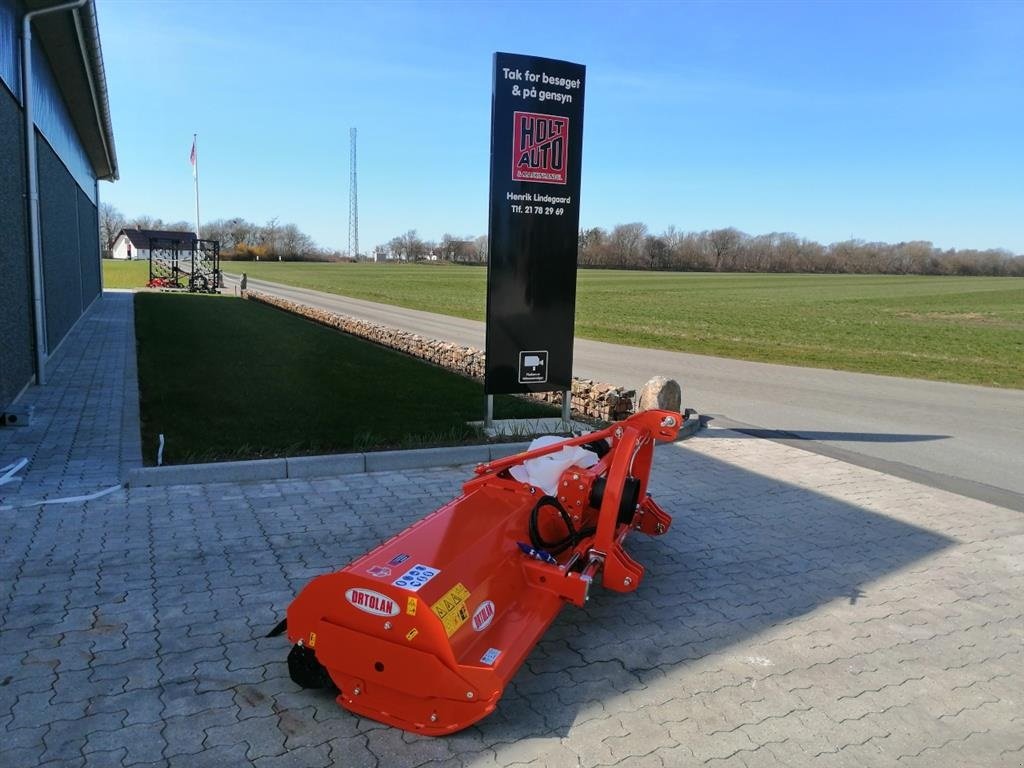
74	149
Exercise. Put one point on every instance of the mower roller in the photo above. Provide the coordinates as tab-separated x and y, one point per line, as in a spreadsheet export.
424	632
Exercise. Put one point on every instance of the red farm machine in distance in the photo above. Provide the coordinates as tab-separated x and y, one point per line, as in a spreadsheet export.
424	632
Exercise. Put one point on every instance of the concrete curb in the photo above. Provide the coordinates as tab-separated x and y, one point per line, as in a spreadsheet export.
693	424
220	472
341	463
319	466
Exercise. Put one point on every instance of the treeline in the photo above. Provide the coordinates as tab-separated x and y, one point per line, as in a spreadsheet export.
240	240
411	247
632	246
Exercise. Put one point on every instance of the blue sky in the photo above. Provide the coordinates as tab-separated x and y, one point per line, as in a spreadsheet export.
878	121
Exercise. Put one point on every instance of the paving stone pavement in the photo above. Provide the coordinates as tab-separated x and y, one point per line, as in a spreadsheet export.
84	434
801	611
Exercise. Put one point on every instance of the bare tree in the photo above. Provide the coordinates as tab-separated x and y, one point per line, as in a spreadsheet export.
456	248
295	245
627	244
480	248
145	222
658	252
268	238
408	246
725	247
593	247
112	221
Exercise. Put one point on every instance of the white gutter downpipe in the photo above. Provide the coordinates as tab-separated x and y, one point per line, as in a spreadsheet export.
34	226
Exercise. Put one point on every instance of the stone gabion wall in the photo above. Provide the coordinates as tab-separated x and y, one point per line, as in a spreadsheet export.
592	399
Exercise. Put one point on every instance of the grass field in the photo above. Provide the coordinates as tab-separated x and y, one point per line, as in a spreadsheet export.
224	378
968	330
125	274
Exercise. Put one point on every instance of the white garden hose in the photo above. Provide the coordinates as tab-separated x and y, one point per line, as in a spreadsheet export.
7	474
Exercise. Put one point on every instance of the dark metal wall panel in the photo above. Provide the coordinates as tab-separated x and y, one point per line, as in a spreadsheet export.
89	248
10	58
62	265
16	347
54	121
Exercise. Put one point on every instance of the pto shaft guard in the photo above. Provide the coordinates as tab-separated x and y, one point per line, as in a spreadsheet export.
424	632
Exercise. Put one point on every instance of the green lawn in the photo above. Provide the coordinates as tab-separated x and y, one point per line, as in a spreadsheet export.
968	329
125	274
224	378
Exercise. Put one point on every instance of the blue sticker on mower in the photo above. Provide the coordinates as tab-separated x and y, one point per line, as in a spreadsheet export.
416	577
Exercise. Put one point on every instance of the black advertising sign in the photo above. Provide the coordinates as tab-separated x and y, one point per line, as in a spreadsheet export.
536	151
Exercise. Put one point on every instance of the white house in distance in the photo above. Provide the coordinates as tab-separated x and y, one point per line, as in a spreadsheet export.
387	253
133	244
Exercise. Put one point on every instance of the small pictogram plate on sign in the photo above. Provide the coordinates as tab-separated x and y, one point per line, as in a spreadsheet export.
533	367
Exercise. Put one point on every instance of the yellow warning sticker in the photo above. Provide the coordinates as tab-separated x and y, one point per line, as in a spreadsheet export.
312	639
451	608
410	606
411	634
451	600
455	619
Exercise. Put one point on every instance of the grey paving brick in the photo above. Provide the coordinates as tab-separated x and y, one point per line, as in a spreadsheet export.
143	705
391	746
175	667
214	757
353	752
25	738
30	708
262	735
589	740
182	699
142	743
215	676
185	734
128	675
65	739
18	756
308	726
302	757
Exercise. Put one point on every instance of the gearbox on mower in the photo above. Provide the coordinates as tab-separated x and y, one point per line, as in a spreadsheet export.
424	632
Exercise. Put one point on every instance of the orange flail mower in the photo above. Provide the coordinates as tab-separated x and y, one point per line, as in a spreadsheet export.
424	632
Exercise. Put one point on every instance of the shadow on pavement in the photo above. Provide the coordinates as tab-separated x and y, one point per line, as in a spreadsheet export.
812	434
748	554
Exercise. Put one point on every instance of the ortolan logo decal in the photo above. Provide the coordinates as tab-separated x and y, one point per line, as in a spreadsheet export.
540	146
483	616
368	601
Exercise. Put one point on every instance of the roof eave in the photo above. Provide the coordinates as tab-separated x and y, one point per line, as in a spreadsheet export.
71	42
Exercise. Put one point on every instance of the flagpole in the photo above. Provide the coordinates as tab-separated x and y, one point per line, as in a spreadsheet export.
195	176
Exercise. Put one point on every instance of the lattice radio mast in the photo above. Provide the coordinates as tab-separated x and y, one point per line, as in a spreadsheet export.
353	201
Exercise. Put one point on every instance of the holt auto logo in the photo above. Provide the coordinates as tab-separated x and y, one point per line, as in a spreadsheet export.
540	145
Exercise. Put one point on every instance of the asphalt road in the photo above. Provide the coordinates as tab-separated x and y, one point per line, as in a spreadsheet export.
966	439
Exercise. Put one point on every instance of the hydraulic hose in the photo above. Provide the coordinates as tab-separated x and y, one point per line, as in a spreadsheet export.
558	546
